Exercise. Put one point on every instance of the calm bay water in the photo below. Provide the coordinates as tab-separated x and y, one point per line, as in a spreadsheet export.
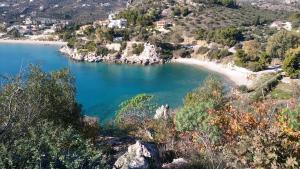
102	87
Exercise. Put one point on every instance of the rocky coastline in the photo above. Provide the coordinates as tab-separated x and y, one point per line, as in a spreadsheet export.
149	56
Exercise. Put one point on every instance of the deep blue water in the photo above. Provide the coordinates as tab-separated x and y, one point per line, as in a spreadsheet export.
102	87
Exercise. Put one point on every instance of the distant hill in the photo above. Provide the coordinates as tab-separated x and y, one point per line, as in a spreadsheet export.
76	10
274	4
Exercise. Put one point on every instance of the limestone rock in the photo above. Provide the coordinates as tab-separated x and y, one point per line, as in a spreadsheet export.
139	156
179	163
162	112
149	56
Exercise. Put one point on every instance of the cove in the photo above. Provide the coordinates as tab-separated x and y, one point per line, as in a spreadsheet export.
102	87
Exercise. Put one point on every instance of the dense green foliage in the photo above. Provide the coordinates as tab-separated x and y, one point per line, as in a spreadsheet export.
291	62
141	18
253	62
281	42
137	48
41	123
197	104
226	36
295	19
46	145
136	109
211	91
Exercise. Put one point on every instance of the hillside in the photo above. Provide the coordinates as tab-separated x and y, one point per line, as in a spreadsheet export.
79	10
273	4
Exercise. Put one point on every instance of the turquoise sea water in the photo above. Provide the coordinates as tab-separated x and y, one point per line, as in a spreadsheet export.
102	87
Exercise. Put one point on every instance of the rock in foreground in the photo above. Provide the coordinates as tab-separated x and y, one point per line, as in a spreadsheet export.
139	156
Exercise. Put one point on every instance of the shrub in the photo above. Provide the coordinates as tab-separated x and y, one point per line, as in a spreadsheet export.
176	11
261	92
251	47
294	18
291	62
39	96
134	111
102	51
241	58
291	117
281	42
201	34
210	91
194	118
71	42
185	11
226	36
255	66
203	50
48	146
270	148
137	48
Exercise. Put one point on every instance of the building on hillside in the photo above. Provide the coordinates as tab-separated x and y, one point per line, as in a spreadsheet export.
28	21
163	24
118	23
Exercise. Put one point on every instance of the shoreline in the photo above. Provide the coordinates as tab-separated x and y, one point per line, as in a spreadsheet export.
237	75
33	42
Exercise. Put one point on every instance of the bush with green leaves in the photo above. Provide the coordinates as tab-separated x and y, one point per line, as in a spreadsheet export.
291	62
256	63
211	91
46	145
36	96
228	36
135	110
140	17
176	11
267	86
102	51
279	43
291	117
41	124
194	115
137	48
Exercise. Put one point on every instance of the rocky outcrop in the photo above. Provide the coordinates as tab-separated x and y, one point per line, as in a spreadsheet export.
148	57
139	156
162	112
179	163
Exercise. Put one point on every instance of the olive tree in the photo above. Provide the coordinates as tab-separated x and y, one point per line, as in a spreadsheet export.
291	62
281	42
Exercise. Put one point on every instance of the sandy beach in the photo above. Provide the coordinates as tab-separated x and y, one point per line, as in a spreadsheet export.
238	75
34	42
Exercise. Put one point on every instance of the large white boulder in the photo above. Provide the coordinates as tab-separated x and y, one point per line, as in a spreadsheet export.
162	112
139	156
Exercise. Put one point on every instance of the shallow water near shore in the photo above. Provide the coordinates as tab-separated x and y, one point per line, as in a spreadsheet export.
102	87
